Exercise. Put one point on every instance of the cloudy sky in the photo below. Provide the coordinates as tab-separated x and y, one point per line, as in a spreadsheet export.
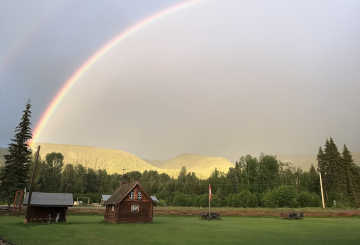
221	78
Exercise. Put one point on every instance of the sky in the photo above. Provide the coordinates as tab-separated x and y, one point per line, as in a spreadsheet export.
221	78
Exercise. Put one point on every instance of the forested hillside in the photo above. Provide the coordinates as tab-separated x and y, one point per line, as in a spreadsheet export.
117	161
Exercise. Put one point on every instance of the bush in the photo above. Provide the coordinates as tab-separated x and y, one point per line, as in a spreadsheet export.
217	201
162	203
270	199
287	196
248	199
203	200
307	199
180	199
185	200
283	196
243	199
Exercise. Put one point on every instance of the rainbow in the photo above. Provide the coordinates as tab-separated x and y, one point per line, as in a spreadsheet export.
68	84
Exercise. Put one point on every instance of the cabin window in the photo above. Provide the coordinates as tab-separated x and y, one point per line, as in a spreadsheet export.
139	195
135	208
132	195
112	209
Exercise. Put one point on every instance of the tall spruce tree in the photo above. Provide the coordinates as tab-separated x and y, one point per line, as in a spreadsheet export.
335	173
18	160
351	177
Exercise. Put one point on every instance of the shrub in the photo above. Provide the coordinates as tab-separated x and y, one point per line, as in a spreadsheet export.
248	199
180	199
162	203
307	199
243	199
270	200
283	196
217	201
203	200
287	196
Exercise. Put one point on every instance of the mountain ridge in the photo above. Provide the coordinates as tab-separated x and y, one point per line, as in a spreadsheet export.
118	161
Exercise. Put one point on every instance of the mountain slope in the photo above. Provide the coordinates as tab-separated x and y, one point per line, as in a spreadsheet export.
203	166
114	161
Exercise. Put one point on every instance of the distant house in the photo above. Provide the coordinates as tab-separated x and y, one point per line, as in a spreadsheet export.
48	207
129	203
104	198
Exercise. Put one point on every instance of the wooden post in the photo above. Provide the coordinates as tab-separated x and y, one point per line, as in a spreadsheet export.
322	191
27	217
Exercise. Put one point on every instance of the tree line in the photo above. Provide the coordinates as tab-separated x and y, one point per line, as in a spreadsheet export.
262	181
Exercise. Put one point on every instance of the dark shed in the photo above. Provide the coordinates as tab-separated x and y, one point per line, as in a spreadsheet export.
129	203
49	207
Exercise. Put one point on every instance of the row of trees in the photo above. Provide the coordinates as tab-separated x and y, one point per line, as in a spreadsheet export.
252	182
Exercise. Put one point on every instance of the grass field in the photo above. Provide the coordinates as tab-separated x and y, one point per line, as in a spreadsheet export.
82	229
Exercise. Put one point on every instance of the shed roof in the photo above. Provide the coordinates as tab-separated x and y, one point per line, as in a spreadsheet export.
105	197
154	199
50	199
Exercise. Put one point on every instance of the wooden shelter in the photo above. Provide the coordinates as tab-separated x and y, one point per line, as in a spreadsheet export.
48	207
104	198
129	203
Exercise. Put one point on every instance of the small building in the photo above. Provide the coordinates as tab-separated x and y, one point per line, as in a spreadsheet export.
154	200
104	198
129	203
48	207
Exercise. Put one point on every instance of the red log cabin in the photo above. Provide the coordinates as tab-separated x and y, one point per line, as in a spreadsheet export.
129	203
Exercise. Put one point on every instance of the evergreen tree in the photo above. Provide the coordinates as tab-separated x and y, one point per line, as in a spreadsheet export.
335	173
68	179
314	181
18	160
268	175
351	176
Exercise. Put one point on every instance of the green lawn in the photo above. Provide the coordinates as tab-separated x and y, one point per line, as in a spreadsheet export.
184	230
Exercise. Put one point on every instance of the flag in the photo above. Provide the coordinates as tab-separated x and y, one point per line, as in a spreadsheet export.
210	194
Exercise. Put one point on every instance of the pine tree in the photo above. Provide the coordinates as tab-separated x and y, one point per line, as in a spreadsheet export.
334	173
18	160
350	170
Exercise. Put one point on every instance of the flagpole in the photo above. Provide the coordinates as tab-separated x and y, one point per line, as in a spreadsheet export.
210	195
209	207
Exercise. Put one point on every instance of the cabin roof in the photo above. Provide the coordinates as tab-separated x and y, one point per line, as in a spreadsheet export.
50	199
121	192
